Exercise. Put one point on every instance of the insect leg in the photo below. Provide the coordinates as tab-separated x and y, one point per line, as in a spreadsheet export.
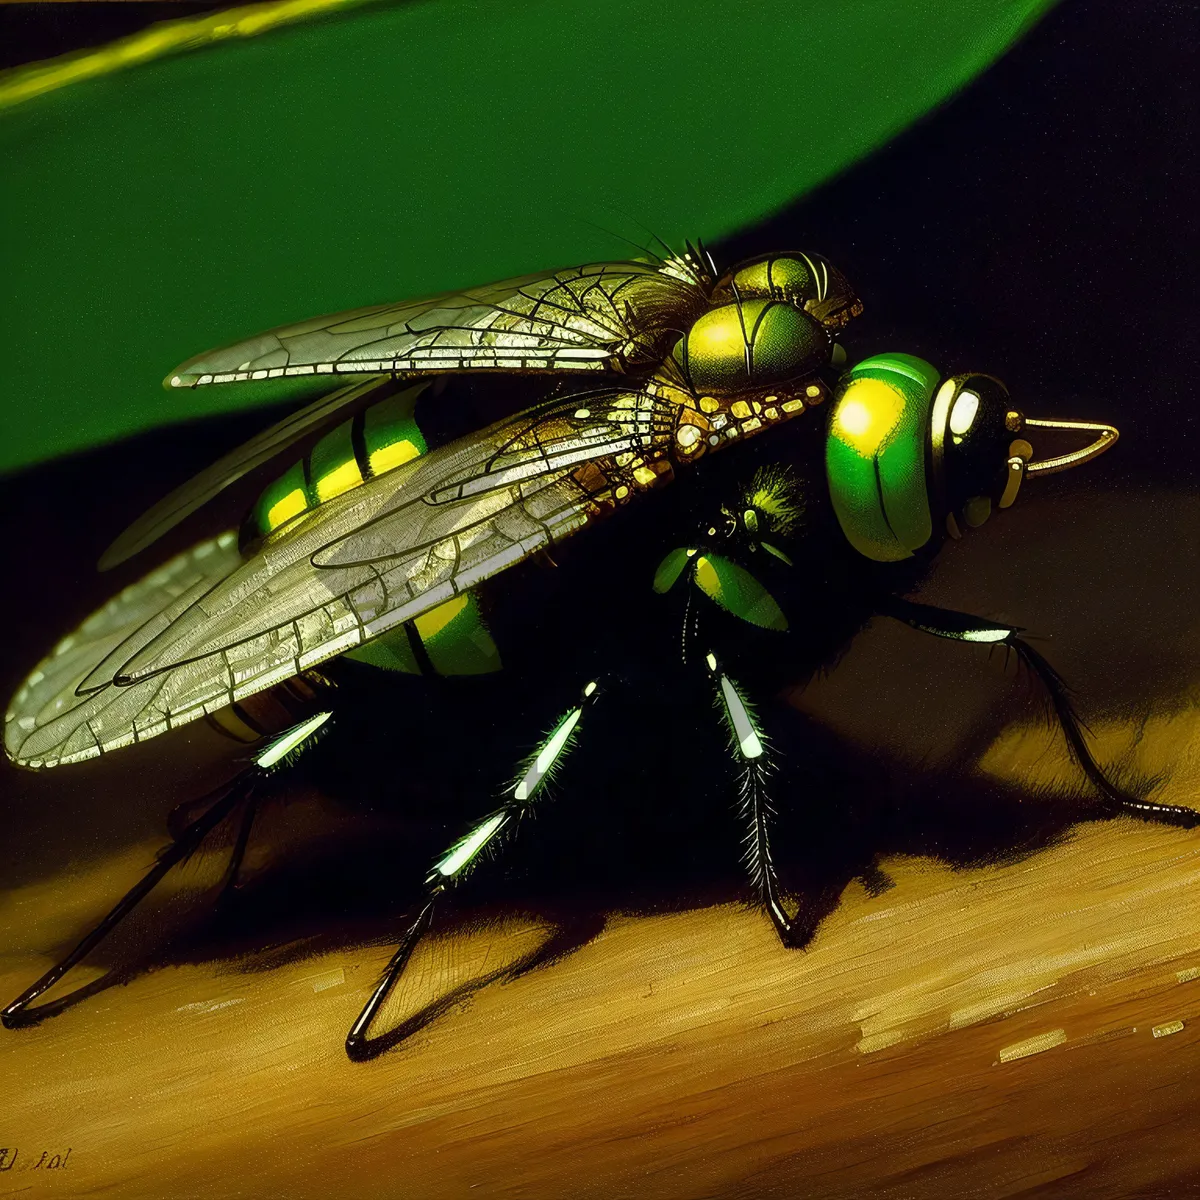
748	745
223	801
464	855
230	881
962	627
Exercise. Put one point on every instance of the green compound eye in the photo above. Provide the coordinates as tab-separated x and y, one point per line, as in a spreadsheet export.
875	455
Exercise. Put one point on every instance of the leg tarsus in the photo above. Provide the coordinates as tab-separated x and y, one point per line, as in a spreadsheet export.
360	1048
956	626
18	1013
748	745
793	934
1117	800
231	880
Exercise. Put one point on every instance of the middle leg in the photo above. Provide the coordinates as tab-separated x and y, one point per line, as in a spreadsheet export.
748	746
461	858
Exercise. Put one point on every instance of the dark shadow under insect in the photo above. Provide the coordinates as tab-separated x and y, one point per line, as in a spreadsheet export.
646	810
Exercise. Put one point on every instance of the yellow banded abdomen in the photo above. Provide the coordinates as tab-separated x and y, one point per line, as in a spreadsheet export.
374	441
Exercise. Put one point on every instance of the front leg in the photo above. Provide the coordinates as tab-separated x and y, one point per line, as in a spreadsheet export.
962	627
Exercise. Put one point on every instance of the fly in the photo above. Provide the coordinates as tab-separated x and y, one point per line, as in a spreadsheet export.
383	542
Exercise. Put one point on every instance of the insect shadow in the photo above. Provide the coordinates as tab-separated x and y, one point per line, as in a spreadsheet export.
339	860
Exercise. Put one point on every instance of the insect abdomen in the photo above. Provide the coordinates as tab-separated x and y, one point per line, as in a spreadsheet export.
372	442
451	639
272	711
448	640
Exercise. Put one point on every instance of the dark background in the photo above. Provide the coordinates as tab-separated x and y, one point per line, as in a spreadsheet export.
31	32
1041	226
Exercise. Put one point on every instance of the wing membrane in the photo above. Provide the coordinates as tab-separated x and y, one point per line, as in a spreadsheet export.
359	565
200	489
48	724
601	316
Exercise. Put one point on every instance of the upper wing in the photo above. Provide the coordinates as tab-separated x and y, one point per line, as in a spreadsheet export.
198	490
190	640
602	316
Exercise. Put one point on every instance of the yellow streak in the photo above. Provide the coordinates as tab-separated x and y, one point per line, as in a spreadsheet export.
340	479
1033	1045
395	455
167	37
432	623
706	576
328	979
284	510
717	338
867	414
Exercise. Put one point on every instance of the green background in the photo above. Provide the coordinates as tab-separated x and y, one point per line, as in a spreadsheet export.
400	150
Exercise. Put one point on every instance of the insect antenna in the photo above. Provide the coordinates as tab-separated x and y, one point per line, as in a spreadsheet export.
671	251
650	253
691	261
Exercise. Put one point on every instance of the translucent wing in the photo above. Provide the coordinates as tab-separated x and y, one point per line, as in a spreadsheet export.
192	638
602	316
46	723
198	490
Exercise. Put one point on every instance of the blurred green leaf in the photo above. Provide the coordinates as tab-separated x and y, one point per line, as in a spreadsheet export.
402	150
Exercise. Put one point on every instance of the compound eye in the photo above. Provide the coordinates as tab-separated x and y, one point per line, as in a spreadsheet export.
964	412
972	413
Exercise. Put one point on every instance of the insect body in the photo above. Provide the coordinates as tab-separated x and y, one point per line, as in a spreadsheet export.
385	540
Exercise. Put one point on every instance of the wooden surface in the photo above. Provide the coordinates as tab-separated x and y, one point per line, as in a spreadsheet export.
999	1031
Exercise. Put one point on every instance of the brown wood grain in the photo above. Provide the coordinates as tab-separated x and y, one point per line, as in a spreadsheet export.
679	1056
